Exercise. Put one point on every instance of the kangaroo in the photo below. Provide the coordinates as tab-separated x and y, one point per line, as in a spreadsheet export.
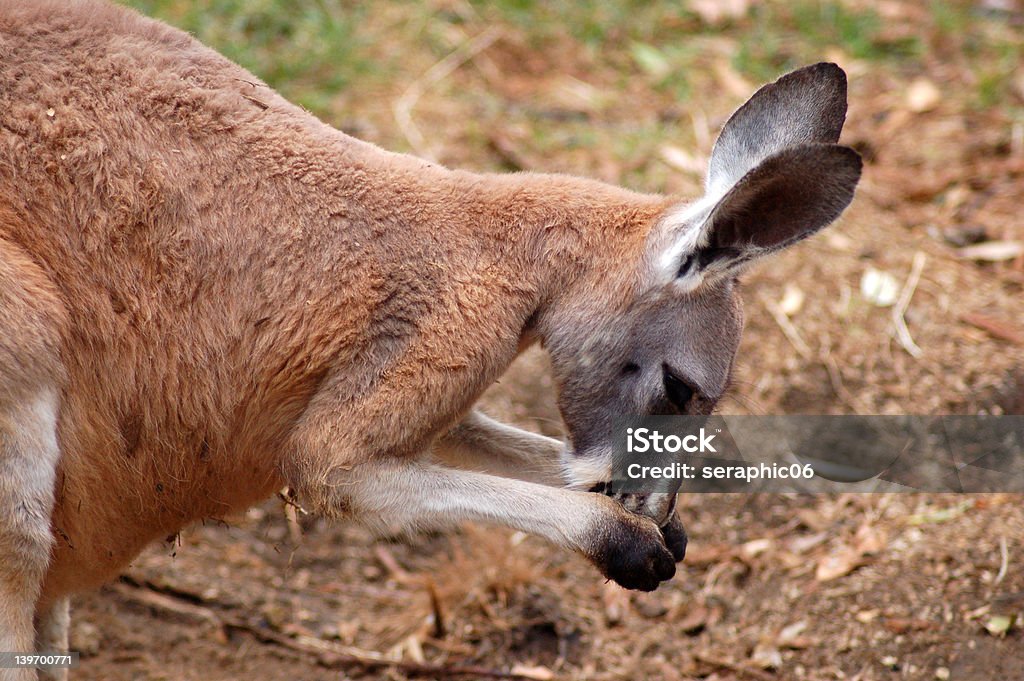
207	294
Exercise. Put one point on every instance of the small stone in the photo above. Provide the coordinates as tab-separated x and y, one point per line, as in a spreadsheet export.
942	674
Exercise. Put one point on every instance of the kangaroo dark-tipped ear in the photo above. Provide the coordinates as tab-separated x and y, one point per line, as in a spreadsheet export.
776	176
789	196
805	106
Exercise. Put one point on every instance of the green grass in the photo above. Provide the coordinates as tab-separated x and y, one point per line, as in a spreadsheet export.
781	36
347	60
594	23
311	50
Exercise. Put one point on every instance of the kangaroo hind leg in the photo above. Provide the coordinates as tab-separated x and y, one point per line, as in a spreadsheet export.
29	394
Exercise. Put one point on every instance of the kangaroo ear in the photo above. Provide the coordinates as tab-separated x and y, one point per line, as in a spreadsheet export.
805	106
775	177
789	196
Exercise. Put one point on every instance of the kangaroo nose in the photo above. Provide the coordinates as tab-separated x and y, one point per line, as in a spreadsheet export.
658	506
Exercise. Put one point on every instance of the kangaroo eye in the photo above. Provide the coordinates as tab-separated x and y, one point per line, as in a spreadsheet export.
678	391
686	265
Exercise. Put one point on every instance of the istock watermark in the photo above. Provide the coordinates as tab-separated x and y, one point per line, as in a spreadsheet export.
641	440
59	660
685	471
819	454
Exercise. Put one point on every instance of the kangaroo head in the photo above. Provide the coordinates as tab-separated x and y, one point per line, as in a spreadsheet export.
776	176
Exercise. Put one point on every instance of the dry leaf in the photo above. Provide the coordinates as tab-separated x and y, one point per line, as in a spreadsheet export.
960	236
695	620
790	636
923	95
680	159
866	616
839	563
766	657
879	288
869	539
713	12
756	547
789	561
846	559
901	625
805	543
572	94
730	80
415	649
993	251
814	519
792	300
941	515
977	613
840	242
527	672
1000	625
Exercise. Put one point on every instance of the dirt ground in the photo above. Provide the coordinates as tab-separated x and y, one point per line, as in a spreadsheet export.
774	587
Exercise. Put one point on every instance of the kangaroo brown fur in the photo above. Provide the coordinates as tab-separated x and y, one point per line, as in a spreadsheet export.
207	294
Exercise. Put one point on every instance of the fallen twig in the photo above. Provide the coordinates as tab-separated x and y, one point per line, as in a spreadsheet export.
997	328
327	653
291	514
900	309
154	600
733	667
288	496
397	572
792	335
835	377
176	592
1004	561
440	631
334	655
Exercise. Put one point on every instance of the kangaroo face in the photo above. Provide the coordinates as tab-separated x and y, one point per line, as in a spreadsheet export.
775	177
670	352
